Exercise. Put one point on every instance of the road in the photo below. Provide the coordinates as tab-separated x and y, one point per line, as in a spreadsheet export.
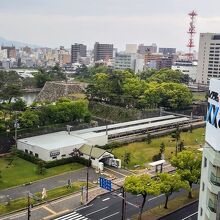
108	207
189	212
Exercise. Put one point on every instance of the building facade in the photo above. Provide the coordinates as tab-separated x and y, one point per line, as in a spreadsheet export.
186	67
167	51
209	202
208	57
78	51
103	51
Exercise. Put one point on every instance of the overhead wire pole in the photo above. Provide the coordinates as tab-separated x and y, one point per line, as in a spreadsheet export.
87	175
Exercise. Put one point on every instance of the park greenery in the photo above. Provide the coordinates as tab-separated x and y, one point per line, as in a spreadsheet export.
124	88
12	173
42	114
143	152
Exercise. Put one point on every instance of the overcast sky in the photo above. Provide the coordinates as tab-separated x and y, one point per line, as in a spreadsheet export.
64	22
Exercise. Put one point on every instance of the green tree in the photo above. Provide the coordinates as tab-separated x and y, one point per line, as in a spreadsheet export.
127	158
18	105
10	91
188	164
41	167
149	138
181	146
143	185
13	154
170	183
29	119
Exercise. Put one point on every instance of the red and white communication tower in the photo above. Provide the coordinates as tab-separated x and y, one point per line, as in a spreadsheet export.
191	32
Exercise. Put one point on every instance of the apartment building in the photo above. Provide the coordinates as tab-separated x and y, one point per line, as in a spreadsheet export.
103	51
77	51
209	199
208	57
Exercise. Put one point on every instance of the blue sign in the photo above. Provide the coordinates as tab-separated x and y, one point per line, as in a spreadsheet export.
105	184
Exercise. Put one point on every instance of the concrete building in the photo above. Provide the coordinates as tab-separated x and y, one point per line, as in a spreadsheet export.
131	48
167	51
186	67
124	61
209	199
78	51
11	51
103	51
142	49
208	57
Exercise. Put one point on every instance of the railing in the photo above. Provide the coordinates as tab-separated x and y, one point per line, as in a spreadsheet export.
212	206
214	179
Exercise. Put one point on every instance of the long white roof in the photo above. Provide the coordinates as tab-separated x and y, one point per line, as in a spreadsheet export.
53	141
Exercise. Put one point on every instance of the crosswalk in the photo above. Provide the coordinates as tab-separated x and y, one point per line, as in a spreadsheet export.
72	216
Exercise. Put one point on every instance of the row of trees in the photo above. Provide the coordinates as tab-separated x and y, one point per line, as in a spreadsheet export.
188	168
124	88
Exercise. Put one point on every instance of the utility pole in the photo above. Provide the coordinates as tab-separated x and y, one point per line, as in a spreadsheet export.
123	204
29	207
16	126
87	175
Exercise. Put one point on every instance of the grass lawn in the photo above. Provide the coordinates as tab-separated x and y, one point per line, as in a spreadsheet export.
199	96
22	171
51	194
173	205
142	152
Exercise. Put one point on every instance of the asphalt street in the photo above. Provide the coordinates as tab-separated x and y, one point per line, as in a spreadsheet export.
189	212
109	206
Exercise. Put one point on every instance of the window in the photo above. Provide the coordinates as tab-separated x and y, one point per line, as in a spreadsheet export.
31	153
63	155
92	158
26	151
54	157
36	155
203	186
205	162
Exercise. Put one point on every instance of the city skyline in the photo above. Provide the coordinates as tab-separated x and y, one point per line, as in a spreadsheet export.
52	23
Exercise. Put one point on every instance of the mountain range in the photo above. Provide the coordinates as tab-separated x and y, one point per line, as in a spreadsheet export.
17	44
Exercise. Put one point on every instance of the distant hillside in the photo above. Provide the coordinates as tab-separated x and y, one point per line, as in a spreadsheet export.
17	44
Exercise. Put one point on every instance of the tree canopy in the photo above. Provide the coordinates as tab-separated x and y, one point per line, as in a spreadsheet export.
188	164
143	185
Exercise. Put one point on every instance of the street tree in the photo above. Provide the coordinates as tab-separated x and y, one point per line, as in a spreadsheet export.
127	158
170	183
143	185
162	150
188	164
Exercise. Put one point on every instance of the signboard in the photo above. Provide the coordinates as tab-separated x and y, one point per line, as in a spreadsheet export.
105	184
213	115
54	153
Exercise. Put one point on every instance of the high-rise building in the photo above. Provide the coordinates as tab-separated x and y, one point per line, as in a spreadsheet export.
209	196
103	51
77	51
142	49
208	57
11	51
131	48
167	51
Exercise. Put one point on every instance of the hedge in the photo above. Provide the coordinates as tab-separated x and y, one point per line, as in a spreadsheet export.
53	163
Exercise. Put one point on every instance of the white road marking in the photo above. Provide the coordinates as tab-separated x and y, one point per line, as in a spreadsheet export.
16	216
99	210
105	199
155	197
189	216
119	194
110	216
139	195
84	207
72	216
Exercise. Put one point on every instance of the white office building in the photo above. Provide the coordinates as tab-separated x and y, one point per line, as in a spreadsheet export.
186	67
123	61
209	203
208	57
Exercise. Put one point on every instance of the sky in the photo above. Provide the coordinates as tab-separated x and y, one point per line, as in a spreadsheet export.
64	22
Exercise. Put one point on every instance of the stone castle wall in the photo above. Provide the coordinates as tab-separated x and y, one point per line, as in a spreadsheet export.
52	91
